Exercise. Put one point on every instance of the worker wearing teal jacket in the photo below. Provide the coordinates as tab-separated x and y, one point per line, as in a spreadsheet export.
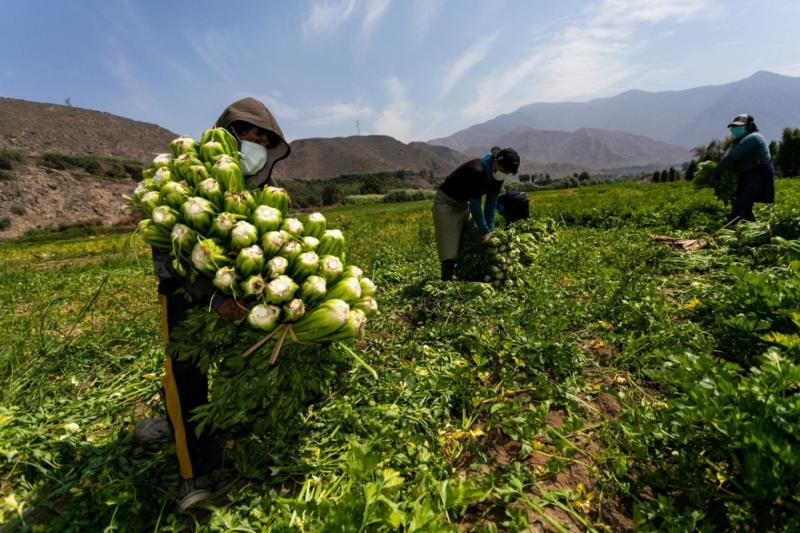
750	159
460	195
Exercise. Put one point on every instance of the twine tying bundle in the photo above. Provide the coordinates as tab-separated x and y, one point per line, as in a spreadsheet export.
282	331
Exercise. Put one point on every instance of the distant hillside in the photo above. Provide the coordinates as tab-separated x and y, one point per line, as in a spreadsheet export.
35	128
589	149
73	195
686	118
319	158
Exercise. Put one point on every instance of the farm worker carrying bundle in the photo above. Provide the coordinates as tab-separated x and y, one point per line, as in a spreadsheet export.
261	144
460	195
514	206
750	159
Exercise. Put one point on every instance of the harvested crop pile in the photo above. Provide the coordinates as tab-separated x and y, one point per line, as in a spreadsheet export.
503	259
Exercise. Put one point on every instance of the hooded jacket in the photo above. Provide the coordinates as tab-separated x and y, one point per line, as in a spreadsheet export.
201	290
254	112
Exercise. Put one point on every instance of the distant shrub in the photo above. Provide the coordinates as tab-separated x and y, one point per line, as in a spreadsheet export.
133	169
407	195
108	167
124	170
360	199
329	191
55	161
80	229
568	182
8	157
522	187
92	167
5	223
372	185
332	194
81	224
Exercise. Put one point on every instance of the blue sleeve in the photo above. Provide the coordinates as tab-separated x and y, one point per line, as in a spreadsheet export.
489	208
751	142
477	215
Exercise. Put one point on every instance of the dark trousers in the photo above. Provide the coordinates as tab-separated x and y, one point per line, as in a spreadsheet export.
742	207
754	185
185	388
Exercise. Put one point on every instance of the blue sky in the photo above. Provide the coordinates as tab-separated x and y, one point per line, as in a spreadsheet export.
413	69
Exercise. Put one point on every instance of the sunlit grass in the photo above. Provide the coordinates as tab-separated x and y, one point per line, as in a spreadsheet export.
482	403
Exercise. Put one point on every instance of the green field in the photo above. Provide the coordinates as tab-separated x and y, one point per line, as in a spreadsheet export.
627	385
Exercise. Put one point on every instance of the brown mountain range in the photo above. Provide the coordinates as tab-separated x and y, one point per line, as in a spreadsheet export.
35	128
72	195
36	195
589	148
331	157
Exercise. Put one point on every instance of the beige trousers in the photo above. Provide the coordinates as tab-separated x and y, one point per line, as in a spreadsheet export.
449	217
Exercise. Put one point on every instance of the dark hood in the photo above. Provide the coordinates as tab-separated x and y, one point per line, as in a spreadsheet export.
254	112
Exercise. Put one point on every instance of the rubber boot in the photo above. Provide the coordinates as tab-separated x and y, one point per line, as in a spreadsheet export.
448	269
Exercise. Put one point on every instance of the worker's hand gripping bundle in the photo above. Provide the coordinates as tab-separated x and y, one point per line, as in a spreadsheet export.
502	260
723	183
289	274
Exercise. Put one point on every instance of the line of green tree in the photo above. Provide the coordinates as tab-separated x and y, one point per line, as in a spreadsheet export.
670	174
537	178
577	179
332	191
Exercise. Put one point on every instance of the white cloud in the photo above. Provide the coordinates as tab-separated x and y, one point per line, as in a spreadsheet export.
212	48
432	125
280	109
787	69
374	12
620	12
473	55
594	54
425	12
327	15
117	63
342	115
396	119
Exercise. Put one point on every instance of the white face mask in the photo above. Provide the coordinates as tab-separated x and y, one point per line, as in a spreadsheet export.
499	176
252	158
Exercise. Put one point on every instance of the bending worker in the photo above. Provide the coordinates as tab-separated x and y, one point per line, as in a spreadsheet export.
460	195
513	205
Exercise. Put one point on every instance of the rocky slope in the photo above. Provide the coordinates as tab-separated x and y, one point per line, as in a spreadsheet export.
36	197
35	128
319	158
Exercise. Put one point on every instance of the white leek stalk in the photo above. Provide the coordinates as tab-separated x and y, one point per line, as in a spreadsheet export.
264	317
